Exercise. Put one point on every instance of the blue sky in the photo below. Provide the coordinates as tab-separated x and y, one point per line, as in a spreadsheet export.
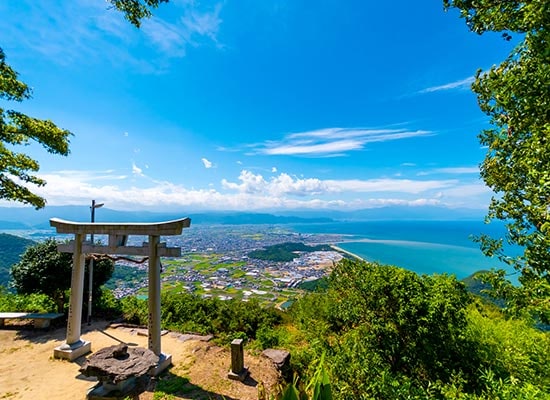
255	105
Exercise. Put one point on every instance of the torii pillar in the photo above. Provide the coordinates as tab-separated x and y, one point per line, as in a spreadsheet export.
74	346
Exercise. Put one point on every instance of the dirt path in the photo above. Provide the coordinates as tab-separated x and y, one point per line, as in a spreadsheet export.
28	370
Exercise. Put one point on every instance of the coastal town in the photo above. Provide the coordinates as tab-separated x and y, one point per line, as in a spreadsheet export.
215	262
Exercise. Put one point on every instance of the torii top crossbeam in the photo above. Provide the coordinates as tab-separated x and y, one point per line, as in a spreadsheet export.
167	228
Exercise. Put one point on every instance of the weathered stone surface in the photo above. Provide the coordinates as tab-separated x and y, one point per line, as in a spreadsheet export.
121	351
280	358
183	337
117	363
281	361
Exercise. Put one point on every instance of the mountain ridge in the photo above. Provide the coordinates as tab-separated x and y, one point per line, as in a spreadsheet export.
28	218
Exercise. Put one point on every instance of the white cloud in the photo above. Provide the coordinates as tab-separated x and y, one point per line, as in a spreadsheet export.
333	141
284	184
319	148
254	192
207	164
461	84
136	170
273	169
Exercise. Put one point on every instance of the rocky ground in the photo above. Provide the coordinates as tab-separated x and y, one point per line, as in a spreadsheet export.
29	371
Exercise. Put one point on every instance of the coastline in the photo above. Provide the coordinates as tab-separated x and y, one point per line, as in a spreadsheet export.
349	253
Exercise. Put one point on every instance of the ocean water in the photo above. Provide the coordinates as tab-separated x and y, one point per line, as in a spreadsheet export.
425	247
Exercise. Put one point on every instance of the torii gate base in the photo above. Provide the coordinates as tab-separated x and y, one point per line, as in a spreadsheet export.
72	351
74	346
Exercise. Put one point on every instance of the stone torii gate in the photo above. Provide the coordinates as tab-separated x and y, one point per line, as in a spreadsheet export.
74	346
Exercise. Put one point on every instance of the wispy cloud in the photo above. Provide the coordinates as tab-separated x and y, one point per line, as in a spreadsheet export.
205	24
458	170
332	141
83	31
166	37
390	185
85	176
461	84
451	171
172	38
466	190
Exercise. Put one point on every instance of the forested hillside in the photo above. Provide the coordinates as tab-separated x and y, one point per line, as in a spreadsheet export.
285	251
383	333
11	248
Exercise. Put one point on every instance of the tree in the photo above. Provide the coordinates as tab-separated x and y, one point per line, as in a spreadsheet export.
43	269
18	129
398	324
136	10
516	96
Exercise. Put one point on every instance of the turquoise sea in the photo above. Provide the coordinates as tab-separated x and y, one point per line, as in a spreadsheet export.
425	247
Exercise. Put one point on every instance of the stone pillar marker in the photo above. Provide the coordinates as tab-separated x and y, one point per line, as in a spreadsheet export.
238	371
74	347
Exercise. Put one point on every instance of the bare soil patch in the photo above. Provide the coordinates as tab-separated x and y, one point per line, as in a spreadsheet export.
29	371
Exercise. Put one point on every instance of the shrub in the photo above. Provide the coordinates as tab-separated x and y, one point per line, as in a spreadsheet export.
34	302
134	310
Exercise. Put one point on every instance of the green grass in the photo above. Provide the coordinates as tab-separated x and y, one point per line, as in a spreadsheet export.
237	274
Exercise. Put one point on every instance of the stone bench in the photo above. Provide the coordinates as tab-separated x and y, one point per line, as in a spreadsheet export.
41	320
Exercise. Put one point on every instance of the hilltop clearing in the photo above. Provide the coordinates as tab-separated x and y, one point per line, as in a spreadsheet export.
28	371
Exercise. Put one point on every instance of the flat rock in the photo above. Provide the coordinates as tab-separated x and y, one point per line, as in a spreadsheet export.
184	337
118	363
145	332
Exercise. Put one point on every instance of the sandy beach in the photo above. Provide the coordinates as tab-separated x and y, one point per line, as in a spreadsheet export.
341	250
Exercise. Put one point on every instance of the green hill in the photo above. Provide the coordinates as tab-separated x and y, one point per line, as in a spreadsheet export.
285	251
11	248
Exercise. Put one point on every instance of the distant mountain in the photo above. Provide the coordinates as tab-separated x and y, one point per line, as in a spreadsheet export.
11	248
26	217
252	218
13	225
401	213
